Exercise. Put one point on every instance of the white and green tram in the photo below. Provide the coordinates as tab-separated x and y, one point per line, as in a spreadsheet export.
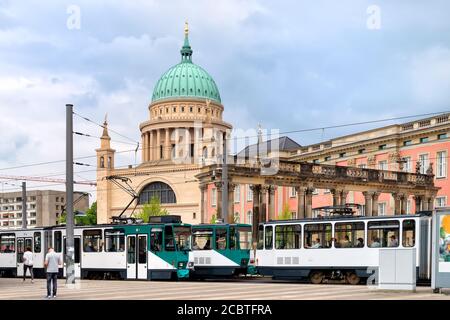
339	247
144	251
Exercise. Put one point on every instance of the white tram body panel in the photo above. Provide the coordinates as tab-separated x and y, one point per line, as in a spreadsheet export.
208	258
301	261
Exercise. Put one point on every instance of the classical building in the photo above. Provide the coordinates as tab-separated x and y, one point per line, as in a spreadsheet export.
398	147
43	207
184	131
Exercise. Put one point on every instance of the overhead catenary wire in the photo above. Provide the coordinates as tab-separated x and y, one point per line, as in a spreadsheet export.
234	138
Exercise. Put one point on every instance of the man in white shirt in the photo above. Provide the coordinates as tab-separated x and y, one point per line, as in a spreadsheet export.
27	263
393	242
52	262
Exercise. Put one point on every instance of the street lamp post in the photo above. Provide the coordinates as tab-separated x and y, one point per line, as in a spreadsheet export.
70	252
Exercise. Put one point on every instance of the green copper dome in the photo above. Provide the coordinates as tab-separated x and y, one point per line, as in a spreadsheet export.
186	80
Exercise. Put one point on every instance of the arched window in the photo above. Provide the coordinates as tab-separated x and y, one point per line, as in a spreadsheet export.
157	189
205	152
213	152
109	162
102	162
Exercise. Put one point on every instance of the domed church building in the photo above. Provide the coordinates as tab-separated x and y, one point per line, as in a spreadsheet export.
183	132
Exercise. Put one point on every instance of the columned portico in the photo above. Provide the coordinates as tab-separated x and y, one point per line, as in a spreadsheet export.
256	189
272	215
368	203
218	186
230	209
375	197
301	191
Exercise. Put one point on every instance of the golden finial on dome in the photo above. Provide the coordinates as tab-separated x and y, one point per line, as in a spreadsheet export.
186	28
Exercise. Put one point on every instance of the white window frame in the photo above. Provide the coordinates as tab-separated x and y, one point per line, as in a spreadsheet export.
440	198
383	165
237	194
250	217
380	206
249	193
362	165
441	164
424	164
292	192
213	197
408	206
407	164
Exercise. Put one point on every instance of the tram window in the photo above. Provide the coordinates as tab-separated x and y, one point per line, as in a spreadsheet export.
245	238
182	238
349	235
383	234
58	241
169	241
48	238
409	233
37	242
268	239
288	236
92	240
28	244
114	240
7	243
142	258
221	238
156	240
131	249
232	238
20	250
260	244
201	239
317	236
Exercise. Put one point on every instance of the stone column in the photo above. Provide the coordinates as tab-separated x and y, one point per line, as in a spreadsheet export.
230	211
256	203
417	200
167	144
272	215
397	203
219	199
203	190
335	194
300	202
368	203
404	202
344	194
158	144
263	213
151	148
308	202
375	203
144	147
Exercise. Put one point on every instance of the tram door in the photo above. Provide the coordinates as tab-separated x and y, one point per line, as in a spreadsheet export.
77	256
137	256
22	244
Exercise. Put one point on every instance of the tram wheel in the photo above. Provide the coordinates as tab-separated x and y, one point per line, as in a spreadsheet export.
316	277
353	279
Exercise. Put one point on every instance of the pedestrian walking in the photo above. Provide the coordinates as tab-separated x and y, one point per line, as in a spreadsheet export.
27	263
52	262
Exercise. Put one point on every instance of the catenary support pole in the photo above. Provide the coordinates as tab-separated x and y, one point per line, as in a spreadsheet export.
70	268
24	205
225	180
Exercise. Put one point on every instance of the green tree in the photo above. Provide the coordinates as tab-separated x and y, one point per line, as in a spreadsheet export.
286	213
213	218
89	219
151	209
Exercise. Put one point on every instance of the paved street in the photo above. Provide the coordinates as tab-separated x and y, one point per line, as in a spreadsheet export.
253	289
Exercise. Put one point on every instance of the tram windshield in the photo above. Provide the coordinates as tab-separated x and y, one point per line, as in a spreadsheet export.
201	239
183	238
245	237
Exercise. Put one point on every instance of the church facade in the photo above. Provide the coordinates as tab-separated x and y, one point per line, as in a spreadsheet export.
184	131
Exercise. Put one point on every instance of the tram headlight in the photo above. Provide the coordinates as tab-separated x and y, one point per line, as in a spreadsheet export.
190	265
180	265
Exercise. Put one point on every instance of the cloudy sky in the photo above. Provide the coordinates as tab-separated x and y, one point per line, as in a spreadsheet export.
288	65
